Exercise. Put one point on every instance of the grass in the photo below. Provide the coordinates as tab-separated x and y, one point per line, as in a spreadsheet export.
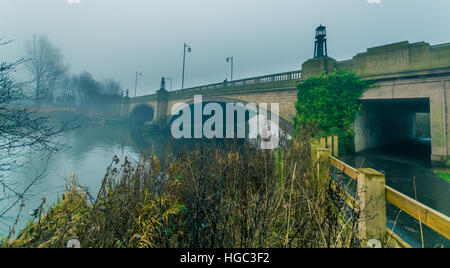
443	174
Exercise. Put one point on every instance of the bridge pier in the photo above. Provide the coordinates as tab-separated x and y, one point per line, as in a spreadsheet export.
162	96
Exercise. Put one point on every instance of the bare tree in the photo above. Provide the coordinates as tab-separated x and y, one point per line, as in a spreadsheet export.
45	63
23	130
112	88
67	93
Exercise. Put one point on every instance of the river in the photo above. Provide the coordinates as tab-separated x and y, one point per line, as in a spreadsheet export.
91	148
89	151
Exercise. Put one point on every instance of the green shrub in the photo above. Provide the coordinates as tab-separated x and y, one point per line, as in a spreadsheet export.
330	103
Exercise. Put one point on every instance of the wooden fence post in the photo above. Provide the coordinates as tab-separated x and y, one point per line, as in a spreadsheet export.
314	148
330	143
335	146
323	142
323	167
372	204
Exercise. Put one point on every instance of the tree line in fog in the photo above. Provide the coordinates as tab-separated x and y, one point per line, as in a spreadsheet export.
52	83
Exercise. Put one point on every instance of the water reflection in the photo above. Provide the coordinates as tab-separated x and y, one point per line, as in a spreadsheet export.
89	151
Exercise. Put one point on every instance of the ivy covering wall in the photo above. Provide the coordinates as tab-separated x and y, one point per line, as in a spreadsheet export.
329	103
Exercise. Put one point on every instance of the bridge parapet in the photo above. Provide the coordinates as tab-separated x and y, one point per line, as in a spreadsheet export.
274	81
286	80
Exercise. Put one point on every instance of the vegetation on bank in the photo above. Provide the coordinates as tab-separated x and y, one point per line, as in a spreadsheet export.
330	102
213	196
443	174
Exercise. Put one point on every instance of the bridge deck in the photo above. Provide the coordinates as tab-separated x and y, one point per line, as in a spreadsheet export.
278	81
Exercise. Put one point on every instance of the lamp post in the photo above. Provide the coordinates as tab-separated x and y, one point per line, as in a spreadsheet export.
189	49
230	59
320	48
171	80
135	83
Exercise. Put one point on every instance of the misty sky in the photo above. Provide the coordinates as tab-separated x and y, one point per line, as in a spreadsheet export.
115	38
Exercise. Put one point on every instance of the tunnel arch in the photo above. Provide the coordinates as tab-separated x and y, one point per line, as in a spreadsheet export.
391	127
285	124
141	114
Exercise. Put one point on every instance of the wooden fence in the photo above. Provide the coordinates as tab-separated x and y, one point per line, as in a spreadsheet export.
372	196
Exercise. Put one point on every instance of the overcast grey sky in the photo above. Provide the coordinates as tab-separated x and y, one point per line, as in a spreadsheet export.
115	38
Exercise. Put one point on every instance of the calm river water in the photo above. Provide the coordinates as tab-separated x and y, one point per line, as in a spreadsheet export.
90	150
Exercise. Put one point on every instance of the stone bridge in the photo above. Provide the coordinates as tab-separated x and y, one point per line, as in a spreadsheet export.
413	79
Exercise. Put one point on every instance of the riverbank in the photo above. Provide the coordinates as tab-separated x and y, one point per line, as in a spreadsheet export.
72	112
212	196
88	150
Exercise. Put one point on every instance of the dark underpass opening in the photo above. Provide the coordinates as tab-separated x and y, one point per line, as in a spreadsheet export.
141	114
398	128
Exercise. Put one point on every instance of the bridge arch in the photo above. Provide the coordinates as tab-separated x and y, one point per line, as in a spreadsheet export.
142	113
285	124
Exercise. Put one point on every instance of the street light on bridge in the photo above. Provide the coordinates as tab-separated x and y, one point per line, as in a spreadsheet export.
135	83
171	80
230	59
320	48
189	49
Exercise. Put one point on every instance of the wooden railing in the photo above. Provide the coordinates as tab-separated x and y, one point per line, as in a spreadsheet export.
371	198
428	216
